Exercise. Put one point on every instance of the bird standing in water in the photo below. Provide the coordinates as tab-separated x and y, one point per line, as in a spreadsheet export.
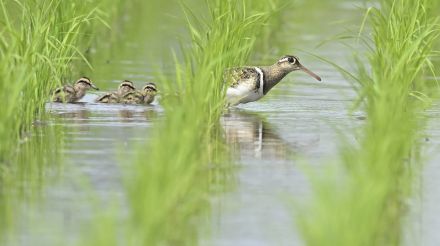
249	84
114	97
73	93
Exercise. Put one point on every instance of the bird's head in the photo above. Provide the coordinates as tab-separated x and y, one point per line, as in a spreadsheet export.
85	83
125	87
149	89
291	63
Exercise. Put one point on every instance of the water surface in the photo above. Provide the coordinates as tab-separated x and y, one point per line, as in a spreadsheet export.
272	140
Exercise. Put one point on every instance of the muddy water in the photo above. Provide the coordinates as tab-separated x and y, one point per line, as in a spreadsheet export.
272	140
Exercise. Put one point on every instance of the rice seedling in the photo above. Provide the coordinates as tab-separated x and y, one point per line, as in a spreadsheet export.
171	177
364	200
36	49
175	183
39	40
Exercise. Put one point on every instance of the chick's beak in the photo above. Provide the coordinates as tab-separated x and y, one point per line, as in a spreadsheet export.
94	87
310	73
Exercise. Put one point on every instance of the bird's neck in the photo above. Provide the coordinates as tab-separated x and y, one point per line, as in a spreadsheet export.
272	76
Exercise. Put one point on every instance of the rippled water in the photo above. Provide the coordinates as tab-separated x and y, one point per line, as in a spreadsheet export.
295	125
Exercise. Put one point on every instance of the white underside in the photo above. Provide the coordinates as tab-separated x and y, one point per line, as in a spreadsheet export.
243	93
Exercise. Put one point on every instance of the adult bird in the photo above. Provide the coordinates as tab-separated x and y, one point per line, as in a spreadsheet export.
249	84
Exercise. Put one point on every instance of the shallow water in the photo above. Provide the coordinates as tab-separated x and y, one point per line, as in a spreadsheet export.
294	127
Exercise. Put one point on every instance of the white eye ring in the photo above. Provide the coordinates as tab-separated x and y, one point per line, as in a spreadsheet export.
291	60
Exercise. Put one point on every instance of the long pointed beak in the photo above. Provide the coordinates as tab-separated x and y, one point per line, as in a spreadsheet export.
310	73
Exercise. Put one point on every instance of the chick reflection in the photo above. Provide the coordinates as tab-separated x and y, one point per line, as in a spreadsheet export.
252	136
78	117
128	115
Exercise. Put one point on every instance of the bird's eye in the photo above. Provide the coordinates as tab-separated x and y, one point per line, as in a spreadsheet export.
292	60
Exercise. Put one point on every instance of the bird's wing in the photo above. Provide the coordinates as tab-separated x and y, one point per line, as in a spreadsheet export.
242	76
68	89
132	96
104	98
242	83
64	89
63	94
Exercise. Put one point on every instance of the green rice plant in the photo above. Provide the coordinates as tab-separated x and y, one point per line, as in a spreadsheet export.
363	200
36	44
171	177
169	181
39	40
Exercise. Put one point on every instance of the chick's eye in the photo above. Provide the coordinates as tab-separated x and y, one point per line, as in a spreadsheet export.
291	60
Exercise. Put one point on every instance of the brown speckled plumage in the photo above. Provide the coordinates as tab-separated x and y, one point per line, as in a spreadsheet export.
145	96
70	94
248	84
116	96
108	98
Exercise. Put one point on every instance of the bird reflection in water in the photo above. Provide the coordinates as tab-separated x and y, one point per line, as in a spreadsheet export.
250	135
75	116
78	116
128	115
81	113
